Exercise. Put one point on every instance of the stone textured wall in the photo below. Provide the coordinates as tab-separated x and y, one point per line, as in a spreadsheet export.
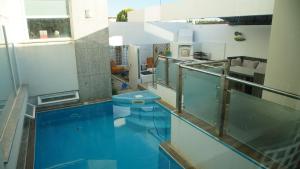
93	66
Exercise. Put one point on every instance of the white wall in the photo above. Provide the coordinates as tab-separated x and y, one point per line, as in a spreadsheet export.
148	14
136	16
283	70
146	33
134	33
216	39
82	26
12	15
145	51
152	13
184	9
48	67
166	94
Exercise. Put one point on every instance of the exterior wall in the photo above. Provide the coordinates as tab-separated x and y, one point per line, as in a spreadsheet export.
184	9
283	62
167	94
145	15
145	33
215	39
219	40
93	64
91	48
82	26
47	67
136	16
12	15
152	13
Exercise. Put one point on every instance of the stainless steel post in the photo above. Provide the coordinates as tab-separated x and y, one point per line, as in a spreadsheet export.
179	90
167	71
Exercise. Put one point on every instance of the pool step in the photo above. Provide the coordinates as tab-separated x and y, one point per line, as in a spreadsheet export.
150	115
90	164
147	123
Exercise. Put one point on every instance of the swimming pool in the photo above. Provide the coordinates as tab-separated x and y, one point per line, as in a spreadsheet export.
108	135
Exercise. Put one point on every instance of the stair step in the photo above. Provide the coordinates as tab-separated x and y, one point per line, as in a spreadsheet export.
148	124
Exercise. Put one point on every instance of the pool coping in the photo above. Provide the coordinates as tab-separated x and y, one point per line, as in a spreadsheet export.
175	155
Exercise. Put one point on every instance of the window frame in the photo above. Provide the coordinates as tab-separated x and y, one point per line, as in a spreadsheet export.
67	16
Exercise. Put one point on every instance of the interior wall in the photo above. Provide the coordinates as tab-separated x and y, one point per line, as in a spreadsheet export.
284	52
47	67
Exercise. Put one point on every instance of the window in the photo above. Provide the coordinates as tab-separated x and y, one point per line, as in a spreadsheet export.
47	19
48	28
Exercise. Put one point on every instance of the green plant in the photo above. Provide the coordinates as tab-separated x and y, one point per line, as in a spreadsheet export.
167	52
114	91
238	36
123	15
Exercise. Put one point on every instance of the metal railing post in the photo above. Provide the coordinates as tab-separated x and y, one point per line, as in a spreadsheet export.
154	71
167	72
223	99
179	90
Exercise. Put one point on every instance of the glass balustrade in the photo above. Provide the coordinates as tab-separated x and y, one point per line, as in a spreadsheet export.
201	93
9	78
261	122
267	125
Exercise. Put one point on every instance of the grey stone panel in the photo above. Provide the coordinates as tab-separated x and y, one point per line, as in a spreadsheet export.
93	66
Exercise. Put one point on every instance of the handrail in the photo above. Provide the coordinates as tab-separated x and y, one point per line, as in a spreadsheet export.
155	63
166	68
270	89
207	62
199	70
224	79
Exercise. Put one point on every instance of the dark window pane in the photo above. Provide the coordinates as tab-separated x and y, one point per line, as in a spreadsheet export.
49	28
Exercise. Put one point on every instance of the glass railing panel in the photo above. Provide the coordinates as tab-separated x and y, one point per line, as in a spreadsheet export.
201	93
266	125
14	65
160	72
204	150
6	84
173	73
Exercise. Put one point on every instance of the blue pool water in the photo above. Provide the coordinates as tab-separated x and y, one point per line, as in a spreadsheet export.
107	135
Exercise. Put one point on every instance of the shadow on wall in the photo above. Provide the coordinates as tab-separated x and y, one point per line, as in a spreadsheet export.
156	30
93	65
